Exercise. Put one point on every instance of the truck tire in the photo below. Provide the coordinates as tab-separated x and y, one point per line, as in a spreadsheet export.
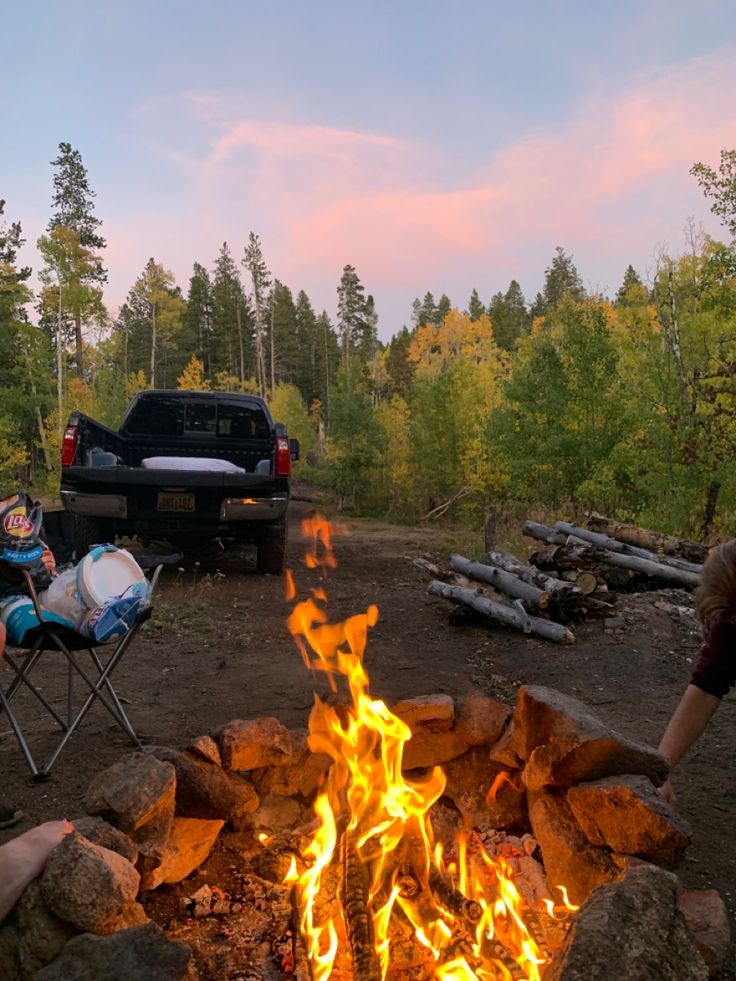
272	549
90	531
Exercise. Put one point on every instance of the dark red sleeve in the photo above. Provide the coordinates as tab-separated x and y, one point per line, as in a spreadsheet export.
715	671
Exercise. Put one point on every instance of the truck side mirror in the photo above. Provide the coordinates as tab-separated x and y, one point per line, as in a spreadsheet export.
294	448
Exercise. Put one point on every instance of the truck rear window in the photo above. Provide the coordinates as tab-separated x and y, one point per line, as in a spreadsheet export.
170	416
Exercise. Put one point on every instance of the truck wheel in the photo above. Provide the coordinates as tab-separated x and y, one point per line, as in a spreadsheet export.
272	550
90	531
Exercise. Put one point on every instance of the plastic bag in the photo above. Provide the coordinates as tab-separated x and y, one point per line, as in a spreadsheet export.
62	598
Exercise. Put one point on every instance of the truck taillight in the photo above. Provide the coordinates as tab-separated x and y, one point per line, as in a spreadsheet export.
283	457
69	446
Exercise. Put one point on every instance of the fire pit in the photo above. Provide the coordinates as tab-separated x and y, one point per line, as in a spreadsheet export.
425	840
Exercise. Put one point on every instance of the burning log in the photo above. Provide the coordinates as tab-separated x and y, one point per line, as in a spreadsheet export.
653	540
354	889
452	899
531	596
506	615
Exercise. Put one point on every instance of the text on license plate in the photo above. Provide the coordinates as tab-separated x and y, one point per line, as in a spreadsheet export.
175	502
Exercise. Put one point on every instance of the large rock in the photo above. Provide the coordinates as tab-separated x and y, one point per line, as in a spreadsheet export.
481	720
706	916
569	858
432	748
278	813
132	792
628	815
564	743
302	774
486	795
436	711
10	969
41	934
91	887
631	929
204	790
188	845
207	748
253	743
139	954
100	832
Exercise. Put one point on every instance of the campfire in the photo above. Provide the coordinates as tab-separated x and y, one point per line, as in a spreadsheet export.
373	827
429	839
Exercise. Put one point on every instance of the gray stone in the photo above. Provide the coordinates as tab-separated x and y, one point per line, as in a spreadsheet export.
706	916
188	845
302	774
132	792
631	929
89	886
628	815
253	743
207	748
100	832
569	858
204	790
137	954
428	747
481	720
277	813
437	711
485	797
564	743
42	935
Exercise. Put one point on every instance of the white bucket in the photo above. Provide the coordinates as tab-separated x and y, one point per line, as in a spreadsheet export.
107	571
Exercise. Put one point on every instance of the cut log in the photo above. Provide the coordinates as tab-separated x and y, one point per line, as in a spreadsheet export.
586	582
653	540
611	545
559	592
543	533
452	899
506	615
532	597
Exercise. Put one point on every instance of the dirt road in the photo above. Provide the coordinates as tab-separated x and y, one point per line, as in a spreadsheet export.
218	649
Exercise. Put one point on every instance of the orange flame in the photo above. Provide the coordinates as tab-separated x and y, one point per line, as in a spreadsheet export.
498	782
368	803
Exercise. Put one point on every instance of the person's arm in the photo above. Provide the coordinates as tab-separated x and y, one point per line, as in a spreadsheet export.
24	858
688	722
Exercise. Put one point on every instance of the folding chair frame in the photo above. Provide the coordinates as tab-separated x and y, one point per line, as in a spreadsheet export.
49	638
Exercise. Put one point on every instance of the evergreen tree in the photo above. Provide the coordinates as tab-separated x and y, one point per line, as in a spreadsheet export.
232	349
283	334
74	209
632	290
157	308
261	281
444	306
561	279
328	361
198	316
475	307
720	187
398	365
424	311
509	316
353	316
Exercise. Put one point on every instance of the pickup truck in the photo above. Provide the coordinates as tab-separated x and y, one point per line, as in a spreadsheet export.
232	481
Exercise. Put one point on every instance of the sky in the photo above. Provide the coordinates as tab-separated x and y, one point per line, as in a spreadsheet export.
439	146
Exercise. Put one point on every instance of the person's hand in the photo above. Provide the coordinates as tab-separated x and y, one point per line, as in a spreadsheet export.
48	560
668	792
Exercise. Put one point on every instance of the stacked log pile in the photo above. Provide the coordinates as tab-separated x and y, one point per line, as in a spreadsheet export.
599	563
576	576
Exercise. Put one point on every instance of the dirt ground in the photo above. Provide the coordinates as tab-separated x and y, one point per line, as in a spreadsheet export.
217	648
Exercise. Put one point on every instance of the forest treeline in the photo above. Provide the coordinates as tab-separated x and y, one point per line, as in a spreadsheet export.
626	403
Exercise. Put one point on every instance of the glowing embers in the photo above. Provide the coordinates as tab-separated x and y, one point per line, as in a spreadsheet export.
373	826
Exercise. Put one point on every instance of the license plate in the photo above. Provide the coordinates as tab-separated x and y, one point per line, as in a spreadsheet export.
175	502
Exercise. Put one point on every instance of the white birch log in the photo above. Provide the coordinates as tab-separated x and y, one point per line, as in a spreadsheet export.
532	597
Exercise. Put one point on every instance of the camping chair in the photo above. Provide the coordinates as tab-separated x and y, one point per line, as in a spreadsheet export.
51	637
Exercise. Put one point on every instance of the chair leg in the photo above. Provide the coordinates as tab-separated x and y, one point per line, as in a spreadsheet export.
21	678
19	735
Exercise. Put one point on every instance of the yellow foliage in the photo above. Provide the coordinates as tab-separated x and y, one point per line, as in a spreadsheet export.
394	418
136	383
433	349
192	379
225	382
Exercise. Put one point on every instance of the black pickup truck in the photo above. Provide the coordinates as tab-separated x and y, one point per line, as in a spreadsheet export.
232	481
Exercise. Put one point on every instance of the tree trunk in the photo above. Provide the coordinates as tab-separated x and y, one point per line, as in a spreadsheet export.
273	356
489	528
506	615
653	540
560	592
153	345
60	366
710	508
78	343
543	533
240	343
532	597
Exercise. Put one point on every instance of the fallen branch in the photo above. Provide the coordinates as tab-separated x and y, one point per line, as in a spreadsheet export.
442	508
560	592
655	541
503	614
611	545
